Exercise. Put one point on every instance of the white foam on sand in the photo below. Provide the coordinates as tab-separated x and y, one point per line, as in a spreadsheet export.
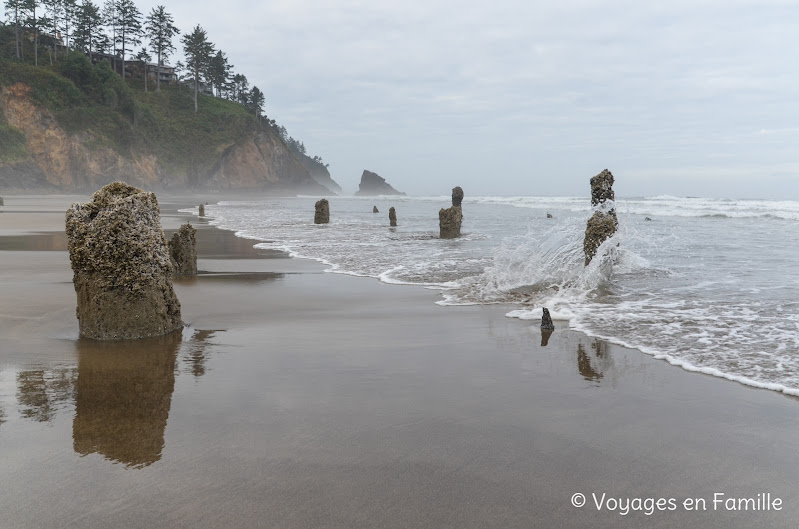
670	288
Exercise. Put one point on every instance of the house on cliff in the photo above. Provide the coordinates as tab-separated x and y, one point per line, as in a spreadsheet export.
135	69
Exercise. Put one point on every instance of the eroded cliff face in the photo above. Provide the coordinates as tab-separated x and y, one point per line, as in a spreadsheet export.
320	173
263	162
60	162
64	162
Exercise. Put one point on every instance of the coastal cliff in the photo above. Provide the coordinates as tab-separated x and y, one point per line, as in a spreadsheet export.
58	137
320	173
261	161
52	159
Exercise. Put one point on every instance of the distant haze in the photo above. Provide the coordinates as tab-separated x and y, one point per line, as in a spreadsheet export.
686	97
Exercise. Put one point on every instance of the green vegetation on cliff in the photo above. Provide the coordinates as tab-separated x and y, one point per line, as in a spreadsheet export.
92	98
72	123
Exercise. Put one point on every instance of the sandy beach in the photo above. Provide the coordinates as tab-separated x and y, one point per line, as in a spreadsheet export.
296	398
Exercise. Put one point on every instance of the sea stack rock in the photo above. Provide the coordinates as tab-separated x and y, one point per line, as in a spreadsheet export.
549	215
1	201
547	327
546	321
202	210
374	184
122	270
375	210
392	216
322	215
449	220
457	196
603	222
183	251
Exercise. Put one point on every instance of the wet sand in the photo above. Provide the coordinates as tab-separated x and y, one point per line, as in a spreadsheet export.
300	399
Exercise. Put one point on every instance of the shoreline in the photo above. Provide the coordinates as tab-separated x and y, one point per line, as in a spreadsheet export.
304	399
685	365
43	235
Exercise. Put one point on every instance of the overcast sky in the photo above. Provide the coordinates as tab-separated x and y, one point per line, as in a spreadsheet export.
506	97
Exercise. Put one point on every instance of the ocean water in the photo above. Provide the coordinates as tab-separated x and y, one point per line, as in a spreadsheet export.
710	285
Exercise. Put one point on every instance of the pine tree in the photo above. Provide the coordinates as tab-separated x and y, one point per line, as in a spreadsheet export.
257	100
110	17
88	24
198	51
54	10
14	12
128	26
33	22
160	29
144	57
70	10
240	89
219	72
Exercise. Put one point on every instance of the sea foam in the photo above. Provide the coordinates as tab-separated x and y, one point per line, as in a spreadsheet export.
709	285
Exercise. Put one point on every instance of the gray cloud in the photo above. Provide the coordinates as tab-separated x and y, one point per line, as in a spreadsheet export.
514	97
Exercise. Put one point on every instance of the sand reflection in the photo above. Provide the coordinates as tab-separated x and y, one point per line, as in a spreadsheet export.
593	365
195	351
124	392
41	392
48	241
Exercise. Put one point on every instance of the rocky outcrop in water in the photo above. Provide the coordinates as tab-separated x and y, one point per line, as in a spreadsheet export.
449	222
602	188
183	251
1	201
547	327
375	210
457	196
600	227
546	321
121	265
549	215
322	214
374	184
201	212
603	223
392	216
449	219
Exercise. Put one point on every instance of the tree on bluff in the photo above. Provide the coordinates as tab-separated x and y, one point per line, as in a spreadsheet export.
129	27
14	10
198	51
35	22
54	9
144	57
219	72
160	29
241	91
88	28
256	103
